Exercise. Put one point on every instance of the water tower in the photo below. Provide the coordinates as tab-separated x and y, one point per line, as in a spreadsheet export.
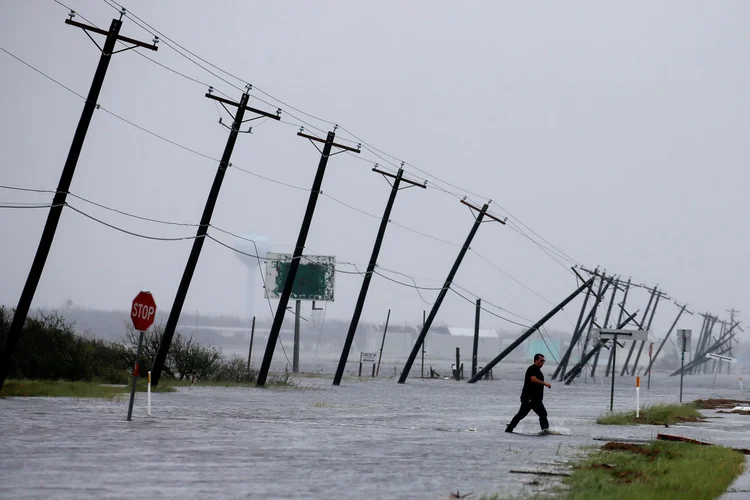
252	245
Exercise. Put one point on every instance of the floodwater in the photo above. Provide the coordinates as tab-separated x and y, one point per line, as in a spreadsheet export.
368	438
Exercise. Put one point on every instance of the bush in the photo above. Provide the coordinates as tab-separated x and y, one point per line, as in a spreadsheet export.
235	370
50	349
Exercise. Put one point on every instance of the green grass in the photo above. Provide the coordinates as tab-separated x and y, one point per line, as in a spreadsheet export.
654	415
658	471
66	389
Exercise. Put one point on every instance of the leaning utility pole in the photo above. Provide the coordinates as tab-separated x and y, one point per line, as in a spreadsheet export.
606	322
589	319
208	210
664	341
448	281
659	295
476	338
529	332
397	179
286	292
643	321
619	319
61	194
575	330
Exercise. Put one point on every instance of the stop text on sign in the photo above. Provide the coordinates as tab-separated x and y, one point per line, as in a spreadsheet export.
142	311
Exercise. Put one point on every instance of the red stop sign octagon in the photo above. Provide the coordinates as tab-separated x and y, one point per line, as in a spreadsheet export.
143	311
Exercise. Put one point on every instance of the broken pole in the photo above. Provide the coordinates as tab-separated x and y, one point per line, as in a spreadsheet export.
488	367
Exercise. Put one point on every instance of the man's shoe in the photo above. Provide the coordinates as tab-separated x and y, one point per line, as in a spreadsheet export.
544	432
508	429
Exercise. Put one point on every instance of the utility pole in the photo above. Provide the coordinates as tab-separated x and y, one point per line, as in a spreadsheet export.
659	295
643	321
664	341
424	346
448	281
610	362
606	322
61	194
589	318
596	309
250	351
586	326
489	366
382	344
208	210
575	330
476	338
295	355
286	292
397	179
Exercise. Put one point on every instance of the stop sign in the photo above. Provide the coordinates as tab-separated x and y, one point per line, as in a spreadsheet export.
143	311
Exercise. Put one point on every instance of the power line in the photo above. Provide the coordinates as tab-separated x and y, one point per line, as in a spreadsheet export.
374	150
488	311
131	233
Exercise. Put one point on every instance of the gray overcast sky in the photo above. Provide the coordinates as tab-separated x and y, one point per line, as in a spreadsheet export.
615	130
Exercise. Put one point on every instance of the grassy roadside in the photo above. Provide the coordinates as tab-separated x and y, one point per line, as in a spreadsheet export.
654	415
66	389
659	470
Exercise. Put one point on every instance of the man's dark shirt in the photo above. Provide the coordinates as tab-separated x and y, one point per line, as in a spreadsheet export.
532	391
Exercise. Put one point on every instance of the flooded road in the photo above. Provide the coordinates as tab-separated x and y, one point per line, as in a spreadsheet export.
367	438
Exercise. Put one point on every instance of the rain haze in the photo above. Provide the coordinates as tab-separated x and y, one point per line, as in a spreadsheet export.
610	134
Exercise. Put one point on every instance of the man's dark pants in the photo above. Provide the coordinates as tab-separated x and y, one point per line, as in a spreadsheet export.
526	407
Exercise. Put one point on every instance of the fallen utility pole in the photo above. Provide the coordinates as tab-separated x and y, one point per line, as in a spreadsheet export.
250	351
576	370
575	330
481	213
61	193
397	179
489	366
619	319
697	361
666	337
643	321
659	295
606	322
286	293
200	236
705	339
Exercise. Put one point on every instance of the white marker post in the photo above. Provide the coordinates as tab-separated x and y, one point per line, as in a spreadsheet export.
149	393
740	384
637	397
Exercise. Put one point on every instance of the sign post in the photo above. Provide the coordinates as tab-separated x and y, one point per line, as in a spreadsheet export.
142	314
613	334
367	357
684	335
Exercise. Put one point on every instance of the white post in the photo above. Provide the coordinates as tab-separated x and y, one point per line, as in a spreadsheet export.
740	384
149	394
637	397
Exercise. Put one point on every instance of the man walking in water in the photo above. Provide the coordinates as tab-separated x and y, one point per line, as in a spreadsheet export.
531	396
